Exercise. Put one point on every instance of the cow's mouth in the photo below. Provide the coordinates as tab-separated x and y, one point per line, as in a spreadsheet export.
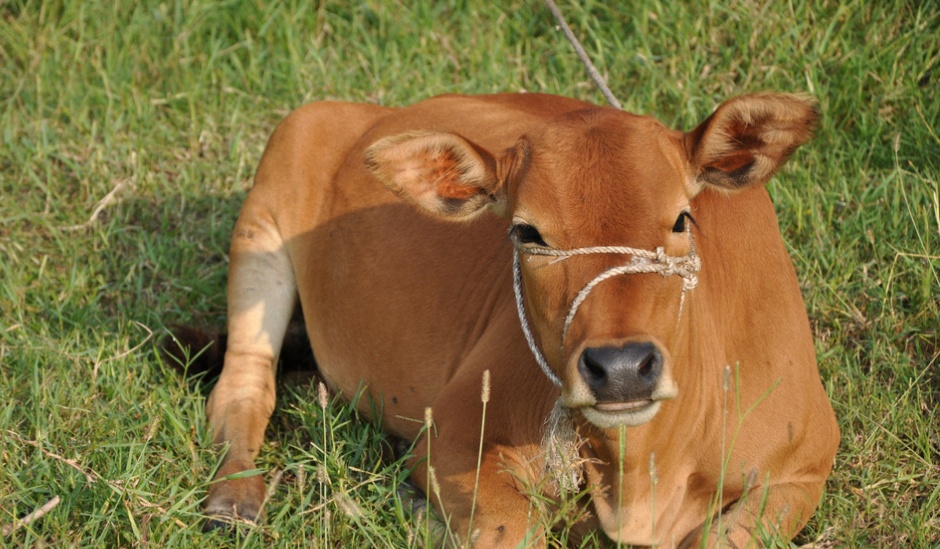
610	415
614	407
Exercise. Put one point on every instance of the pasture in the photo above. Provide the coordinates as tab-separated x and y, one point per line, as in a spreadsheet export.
129	133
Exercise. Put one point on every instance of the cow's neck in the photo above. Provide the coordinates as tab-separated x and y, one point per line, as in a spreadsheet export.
639	476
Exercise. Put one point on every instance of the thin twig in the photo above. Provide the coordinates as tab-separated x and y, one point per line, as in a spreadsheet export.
102	204
94	371
595	75
32	517
89	475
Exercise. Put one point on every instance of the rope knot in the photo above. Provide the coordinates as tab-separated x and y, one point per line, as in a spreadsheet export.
659	256
690	268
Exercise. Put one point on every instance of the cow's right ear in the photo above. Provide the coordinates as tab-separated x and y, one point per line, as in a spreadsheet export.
442	173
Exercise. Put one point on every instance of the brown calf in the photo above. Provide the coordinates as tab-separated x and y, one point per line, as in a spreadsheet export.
652	282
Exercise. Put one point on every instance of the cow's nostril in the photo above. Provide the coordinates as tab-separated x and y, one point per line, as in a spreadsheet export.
646	367
594	368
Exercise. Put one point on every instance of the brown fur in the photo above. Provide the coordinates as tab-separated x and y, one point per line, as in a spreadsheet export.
417	307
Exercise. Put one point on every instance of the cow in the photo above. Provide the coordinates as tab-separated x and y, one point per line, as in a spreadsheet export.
622	287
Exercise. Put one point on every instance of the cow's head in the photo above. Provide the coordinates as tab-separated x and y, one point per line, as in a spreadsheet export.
591	178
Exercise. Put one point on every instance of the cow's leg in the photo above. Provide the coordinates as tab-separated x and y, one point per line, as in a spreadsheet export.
763	511
502	514
494	510
261	297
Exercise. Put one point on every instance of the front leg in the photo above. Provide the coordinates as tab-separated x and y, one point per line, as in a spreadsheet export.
261	298
495	507
496	512
762	513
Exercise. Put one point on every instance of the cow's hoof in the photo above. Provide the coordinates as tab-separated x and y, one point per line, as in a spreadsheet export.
235	501
228	522
219	524
230	519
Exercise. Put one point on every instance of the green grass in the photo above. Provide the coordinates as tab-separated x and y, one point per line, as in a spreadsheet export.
171	102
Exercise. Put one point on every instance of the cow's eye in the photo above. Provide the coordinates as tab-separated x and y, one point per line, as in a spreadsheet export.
523	233
680	225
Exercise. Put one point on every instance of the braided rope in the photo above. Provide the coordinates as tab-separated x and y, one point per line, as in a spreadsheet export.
643	261
520	308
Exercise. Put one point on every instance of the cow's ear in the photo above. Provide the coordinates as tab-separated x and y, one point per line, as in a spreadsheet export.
748	138
441	173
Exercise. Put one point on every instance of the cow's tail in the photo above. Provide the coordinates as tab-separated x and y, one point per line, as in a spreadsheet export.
193	352
200	354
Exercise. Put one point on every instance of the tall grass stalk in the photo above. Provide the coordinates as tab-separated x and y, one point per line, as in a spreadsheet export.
323	400
725	451
428	432
654	480
728	447
621	456
484	398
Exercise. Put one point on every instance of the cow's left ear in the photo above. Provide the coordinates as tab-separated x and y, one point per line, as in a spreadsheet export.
442	173
748	138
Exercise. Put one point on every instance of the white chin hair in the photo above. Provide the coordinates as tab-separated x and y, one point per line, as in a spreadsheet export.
621	418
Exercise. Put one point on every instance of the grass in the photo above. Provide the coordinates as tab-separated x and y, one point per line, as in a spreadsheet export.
169	103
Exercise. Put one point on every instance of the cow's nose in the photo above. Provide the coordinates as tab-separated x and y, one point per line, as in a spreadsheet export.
621	374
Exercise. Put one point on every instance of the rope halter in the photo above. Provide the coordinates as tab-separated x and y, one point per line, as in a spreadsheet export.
643	261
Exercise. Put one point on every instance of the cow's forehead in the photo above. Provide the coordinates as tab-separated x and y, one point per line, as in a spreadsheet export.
602	170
